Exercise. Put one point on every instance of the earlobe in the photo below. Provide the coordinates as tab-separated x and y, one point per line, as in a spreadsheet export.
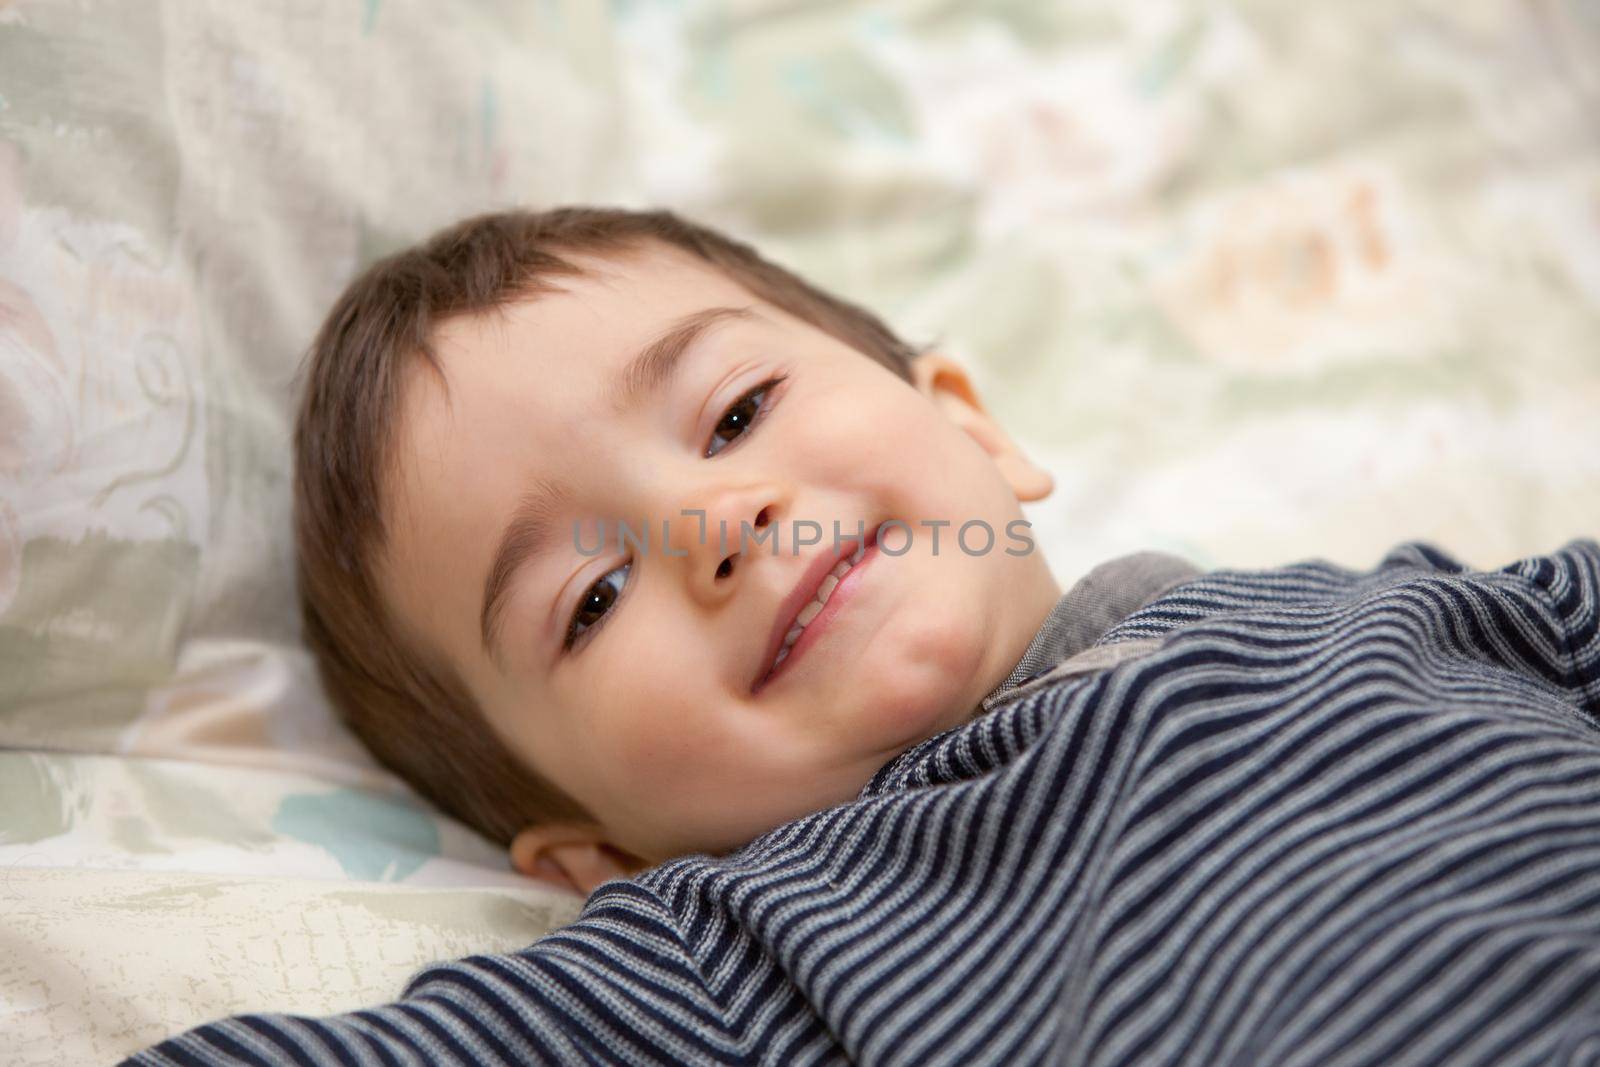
576	859
947	384
532	854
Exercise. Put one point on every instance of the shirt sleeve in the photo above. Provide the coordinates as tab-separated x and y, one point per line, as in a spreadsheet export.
618	981
1561	642
1539	620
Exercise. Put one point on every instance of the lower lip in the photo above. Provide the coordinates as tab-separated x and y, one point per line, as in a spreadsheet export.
808	637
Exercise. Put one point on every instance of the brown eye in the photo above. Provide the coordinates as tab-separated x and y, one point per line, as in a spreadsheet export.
595	604
743	414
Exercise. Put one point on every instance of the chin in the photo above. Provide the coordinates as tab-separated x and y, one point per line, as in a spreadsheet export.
912	706
917	679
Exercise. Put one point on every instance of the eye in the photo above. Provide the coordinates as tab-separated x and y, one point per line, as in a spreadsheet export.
596	603
743	414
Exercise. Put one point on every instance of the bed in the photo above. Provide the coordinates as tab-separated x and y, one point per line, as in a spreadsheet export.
1257	282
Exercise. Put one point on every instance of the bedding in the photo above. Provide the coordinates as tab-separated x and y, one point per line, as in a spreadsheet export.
1257	282
137	891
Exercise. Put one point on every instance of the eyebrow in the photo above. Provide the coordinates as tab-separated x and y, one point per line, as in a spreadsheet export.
653	368
531	531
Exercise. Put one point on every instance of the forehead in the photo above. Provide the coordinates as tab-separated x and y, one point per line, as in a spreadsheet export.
552	350
590	323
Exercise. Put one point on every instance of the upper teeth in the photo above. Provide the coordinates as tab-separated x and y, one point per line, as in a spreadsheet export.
824	591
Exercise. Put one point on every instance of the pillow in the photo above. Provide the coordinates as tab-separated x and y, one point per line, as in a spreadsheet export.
180	200
1251	293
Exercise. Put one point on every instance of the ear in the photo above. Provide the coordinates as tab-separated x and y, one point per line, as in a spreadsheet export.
576	858
946	383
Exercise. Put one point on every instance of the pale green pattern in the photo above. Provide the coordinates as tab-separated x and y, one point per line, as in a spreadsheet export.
76	810
1256	281
373	839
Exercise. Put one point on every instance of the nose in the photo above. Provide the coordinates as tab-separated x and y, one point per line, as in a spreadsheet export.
720	536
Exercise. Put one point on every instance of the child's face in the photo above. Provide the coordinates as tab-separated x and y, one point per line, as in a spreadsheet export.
650	719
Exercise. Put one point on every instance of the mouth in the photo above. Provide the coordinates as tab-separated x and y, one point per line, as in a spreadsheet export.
802	606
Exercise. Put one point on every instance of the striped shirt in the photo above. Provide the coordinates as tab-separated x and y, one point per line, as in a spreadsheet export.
1329	817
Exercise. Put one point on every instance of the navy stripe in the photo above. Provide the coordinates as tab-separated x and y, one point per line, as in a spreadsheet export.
381	1049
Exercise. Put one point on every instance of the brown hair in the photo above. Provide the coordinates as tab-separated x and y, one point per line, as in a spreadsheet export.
408	705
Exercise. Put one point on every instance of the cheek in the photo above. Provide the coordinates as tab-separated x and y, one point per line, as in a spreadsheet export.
657	733
845	430
656	739
685	775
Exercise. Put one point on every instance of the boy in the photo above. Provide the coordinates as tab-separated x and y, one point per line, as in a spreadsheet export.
873	801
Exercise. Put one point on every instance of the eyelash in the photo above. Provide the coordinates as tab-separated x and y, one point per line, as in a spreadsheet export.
572	636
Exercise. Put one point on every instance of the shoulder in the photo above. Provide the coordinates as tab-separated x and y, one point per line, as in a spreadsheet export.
1313	584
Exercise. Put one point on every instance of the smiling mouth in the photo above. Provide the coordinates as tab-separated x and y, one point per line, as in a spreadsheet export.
812	607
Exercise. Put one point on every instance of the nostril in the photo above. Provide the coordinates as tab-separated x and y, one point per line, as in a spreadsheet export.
761	517
725	568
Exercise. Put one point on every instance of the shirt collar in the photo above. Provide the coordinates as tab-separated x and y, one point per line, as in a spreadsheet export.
1098	601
